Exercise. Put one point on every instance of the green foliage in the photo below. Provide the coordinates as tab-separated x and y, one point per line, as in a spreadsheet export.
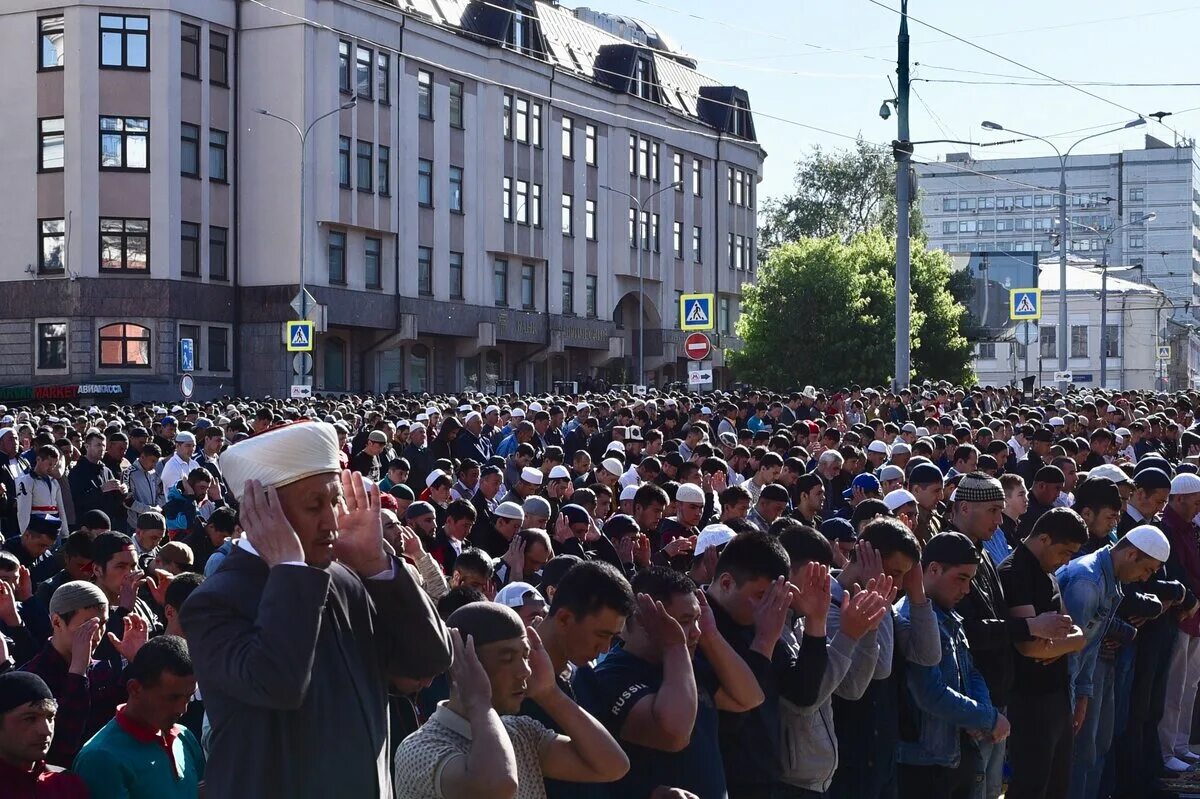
823	313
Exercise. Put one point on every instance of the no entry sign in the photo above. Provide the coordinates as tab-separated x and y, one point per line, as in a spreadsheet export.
697	346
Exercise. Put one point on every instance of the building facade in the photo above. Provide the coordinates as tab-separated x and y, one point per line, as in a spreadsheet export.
461	198
1011	204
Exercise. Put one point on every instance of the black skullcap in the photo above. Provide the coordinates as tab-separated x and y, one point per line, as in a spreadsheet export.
20	688
488	622
575	514
95	520
774	492
1152	479
951	549
619	525
868	509
402	491
1050	474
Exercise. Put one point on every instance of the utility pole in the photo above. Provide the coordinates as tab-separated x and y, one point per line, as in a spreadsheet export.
902	150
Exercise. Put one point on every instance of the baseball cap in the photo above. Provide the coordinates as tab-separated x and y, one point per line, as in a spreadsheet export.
166	420
952	549
837	529
715	535
864	482
690	493
1151	541
890	472
898	499
514	595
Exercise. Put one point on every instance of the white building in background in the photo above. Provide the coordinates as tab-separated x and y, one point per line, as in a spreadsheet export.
1139	323
1011	204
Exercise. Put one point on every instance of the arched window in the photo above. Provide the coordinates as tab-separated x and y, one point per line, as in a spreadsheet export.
125	346
334	370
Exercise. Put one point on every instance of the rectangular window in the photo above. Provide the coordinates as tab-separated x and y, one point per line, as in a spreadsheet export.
52	240
218	58
456	104
383	75
124	346
189	249
522	202
590	291
218	253
535	208
696	240
189	50
372	254
500	282
647	239
344	161
568	223
507	198
1079	341
217	155
1048	340
697	174
522	120
218	349
741	252
50	144
589	219
568	292
535	129
732	252
508	116
677	170
336	257
633	228
633	154
51	31
124	42
364	163
124	245
589	145
362	72
1137	195
723	315
456	189
986	351
52	345
527	281
425	182
568	138
1112	341
189	150
654	232
677	239
385	171
456	275
739	184
344	68
1137	242
424	94
950	226
425	271
655	161
124	142
644	157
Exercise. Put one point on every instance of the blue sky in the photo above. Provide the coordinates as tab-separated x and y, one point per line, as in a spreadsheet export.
778	51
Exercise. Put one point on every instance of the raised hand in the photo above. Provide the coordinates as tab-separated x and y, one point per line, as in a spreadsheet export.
541	678
267	528
562	529
659	625
468	677
359	543
24	591
914	584
862	613
641	550
84	641
132	637
708	621
127	598
811	600
8	606
771	614
410	543
515	558
158	585
679	546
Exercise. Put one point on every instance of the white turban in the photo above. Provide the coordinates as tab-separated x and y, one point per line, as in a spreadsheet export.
282	456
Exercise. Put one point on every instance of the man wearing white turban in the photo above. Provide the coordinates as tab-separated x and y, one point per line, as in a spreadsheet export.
295	637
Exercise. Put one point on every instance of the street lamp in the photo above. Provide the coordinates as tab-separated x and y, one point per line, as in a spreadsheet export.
641	278
1063	330
303	134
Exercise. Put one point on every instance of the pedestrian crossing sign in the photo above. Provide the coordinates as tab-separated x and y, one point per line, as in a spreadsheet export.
299	336
696	312
1025	305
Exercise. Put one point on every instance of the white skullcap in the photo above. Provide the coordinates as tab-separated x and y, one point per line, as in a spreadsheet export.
615	446
491	409
535	406
518	413
629	492
690	493
422	417
431	410
613	466
560	473
532	475
898	499
434	476
473	415
1150	540
282	456
417	426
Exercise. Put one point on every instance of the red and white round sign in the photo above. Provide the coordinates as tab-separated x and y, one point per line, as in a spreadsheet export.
697	346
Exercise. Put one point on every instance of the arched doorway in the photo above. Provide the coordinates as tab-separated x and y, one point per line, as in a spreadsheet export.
643	334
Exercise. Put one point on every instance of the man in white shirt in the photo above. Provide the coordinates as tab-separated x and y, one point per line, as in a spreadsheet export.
180	465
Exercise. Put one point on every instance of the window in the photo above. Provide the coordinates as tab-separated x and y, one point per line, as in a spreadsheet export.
218	58
1112	341
723	315
949	226
732	251
643	79
124	142
456	104
568	223
535	208
696	239
590	291
507	199
364	163
1079	341
51	245
344	161
986	351
654	161
362	72
385	171
425	271
333	367
189	150
1137	195
50	144
383	74
456	189
51	32
192	333
124	42
589	219
218	253
456	275
522	201
644	157
189	50
568	138
372	253
741	252
535	131
52	345
344	70
336	257
425	182
654	231
568	292
124	245
1137	242
217	152
632	154
527	280
522	120
697	173
124	346
633	228
424	94
218	349
1048	339
677	239
589	145
500	281
189	249
508	116
677	170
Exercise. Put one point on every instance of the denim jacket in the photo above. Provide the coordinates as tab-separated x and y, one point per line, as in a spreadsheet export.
1091	594
949	697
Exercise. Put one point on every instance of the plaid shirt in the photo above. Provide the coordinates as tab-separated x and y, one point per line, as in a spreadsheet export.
85	703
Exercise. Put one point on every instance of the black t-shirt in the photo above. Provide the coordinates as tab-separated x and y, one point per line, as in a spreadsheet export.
1026	584
609	692
367	465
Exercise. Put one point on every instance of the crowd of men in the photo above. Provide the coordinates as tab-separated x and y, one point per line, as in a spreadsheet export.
856	594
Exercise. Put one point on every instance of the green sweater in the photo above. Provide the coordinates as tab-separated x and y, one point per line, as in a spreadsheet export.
115	765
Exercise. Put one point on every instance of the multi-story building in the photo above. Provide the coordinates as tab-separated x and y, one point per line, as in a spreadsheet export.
460	201
1011	204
